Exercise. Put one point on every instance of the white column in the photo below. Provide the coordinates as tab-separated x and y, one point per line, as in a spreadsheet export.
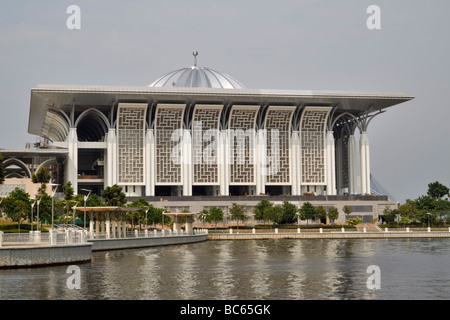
189	225
187	163
91	222
339	145
72	159
119	227
114	226
97	223
227	164
331	171
352	164
111	170
52	234
124	227
261	161
176	224
102	225
222	159
108	226
295	164
365	162
150	163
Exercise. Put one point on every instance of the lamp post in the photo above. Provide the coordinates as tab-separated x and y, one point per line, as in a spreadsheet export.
32	206
428	214
85	199
146	221
53	203
74	208
37	222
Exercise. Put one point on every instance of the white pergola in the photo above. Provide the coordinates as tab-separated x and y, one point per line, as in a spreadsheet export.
109	220
176	222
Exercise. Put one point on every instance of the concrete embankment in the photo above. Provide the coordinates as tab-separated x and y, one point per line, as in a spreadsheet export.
40	255
129	243
328	235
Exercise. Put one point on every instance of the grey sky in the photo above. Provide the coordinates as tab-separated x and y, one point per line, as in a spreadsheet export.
310	44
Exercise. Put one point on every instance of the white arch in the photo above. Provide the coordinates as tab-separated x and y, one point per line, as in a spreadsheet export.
97	113
43	164
18	162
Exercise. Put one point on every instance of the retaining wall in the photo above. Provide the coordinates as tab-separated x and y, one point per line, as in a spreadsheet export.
328	235
128	243
29	256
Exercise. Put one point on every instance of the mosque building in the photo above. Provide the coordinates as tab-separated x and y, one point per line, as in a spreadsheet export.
199	132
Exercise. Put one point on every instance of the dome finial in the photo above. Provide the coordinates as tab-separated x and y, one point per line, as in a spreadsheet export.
195	53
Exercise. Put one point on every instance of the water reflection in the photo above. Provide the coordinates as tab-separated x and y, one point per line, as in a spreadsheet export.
252	269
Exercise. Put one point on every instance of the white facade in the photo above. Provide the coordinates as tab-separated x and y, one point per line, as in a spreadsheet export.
169	139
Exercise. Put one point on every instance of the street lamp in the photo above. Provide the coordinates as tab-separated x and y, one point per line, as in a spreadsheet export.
428	214
74	208
37	223
85	199
146	221
53	203
32	206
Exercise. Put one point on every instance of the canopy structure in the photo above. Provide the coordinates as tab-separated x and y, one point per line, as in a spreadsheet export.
189	219
108	220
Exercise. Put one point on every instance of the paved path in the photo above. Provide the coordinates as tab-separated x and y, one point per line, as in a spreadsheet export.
369	227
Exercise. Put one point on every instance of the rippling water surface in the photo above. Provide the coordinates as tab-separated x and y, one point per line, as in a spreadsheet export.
282	269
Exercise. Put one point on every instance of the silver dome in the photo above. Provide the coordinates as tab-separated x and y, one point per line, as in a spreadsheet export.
197	77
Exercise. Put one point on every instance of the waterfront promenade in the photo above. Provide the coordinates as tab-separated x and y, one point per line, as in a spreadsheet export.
319	233
38	249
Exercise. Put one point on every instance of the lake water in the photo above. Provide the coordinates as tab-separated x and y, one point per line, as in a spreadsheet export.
281	269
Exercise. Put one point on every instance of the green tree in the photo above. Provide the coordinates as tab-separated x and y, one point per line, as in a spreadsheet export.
258	210
94	201
389	214
155	215
45	208
17	205
347	210
237	213
354	221
137	216
273	214
307	212
426	203
333	214
289	212
437	190
321	213
114	196
67	203
214	215
202	215
404	221
408	209
42	177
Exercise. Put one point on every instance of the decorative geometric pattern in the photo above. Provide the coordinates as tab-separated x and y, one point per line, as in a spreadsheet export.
130	143
242	127
6	189
204	142
168	119
312	134
278	124
344	166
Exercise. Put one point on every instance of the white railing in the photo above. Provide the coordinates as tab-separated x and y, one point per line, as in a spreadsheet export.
144	234
71	236
43	238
